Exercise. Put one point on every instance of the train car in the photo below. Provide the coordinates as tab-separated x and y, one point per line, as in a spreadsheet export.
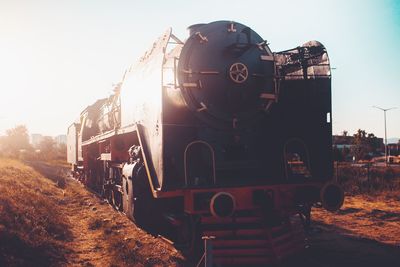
72	147
217	136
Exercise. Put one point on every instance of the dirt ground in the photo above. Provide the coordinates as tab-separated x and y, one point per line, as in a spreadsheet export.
105	237
98	235
376	218
365	232
329	246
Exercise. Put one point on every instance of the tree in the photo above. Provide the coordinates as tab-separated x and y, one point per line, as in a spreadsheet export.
61	151
15	140
2	143
346	153
358	148
373	143
365	144
47	148
337	154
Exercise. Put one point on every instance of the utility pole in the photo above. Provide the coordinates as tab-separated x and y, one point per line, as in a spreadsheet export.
384	117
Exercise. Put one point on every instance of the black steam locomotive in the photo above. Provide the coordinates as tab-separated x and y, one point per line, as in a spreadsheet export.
215	136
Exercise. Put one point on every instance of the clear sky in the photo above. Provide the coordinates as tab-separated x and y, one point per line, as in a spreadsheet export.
57	57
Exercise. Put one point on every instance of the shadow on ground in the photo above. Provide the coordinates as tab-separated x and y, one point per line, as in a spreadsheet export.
331	246
57	174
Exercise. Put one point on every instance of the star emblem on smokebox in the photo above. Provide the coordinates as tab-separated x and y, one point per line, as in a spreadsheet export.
238	72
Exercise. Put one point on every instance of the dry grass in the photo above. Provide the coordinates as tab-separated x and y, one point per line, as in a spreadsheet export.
44	225
32	229
60	163
372	180
134	248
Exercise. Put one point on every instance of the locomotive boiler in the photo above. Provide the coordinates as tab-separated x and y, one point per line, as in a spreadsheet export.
215	136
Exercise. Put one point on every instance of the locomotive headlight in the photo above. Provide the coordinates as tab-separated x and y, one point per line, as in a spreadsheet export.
222	205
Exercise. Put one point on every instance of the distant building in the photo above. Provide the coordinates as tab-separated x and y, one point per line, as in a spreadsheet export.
342	145
343	148
60	139
36	139
393	149
344	141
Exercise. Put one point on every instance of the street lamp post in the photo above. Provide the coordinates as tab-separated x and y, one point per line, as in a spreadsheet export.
384	117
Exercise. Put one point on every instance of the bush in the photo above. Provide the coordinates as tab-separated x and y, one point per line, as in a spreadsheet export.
368	179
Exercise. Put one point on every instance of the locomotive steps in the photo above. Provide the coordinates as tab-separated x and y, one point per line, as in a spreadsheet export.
46	222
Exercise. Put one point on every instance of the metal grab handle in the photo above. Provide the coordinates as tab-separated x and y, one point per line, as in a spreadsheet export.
207	255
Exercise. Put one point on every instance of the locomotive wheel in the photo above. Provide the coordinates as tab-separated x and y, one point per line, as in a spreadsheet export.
134	200
146	211
128	204
81	176
305	217
110	196
117	200
107	194
142	199
139	212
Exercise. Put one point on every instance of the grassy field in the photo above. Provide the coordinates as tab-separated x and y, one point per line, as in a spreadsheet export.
47	223
369	180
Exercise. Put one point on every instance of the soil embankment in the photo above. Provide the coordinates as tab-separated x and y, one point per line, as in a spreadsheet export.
49	222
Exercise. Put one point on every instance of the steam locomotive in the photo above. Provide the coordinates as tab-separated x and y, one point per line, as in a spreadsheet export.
215	136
